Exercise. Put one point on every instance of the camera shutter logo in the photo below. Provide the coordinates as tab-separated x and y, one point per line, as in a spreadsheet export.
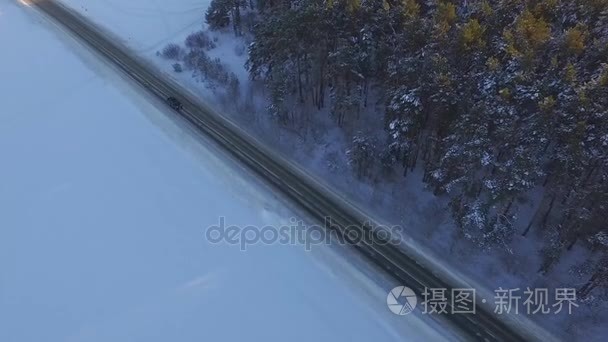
401	300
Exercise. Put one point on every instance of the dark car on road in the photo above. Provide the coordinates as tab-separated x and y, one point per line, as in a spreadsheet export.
174	103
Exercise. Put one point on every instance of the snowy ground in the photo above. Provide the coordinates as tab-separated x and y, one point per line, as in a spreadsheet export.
103	205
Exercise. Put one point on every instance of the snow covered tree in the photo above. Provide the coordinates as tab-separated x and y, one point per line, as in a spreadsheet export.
171	51
598	277
498	102
222	12
361	155
218	14
199	40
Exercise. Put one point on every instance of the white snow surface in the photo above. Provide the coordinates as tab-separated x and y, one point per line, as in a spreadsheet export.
103	204
144	25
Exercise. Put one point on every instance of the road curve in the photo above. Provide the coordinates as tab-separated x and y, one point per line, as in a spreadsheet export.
286	178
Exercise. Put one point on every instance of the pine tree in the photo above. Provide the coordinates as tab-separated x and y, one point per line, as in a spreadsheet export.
218	14
498	102
361	155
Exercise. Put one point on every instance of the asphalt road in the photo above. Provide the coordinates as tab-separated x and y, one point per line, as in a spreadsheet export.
286	178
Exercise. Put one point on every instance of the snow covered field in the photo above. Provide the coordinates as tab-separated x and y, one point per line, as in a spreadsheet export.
144	25
103	206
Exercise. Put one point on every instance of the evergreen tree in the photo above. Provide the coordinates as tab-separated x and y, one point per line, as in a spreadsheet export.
498	102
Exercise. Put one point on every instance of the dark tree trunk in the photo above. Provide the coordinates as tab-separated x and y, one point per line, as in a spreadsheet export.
589	285
236	14
547	179
529	226
300	81
508	207
572	242
590	173
543	222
